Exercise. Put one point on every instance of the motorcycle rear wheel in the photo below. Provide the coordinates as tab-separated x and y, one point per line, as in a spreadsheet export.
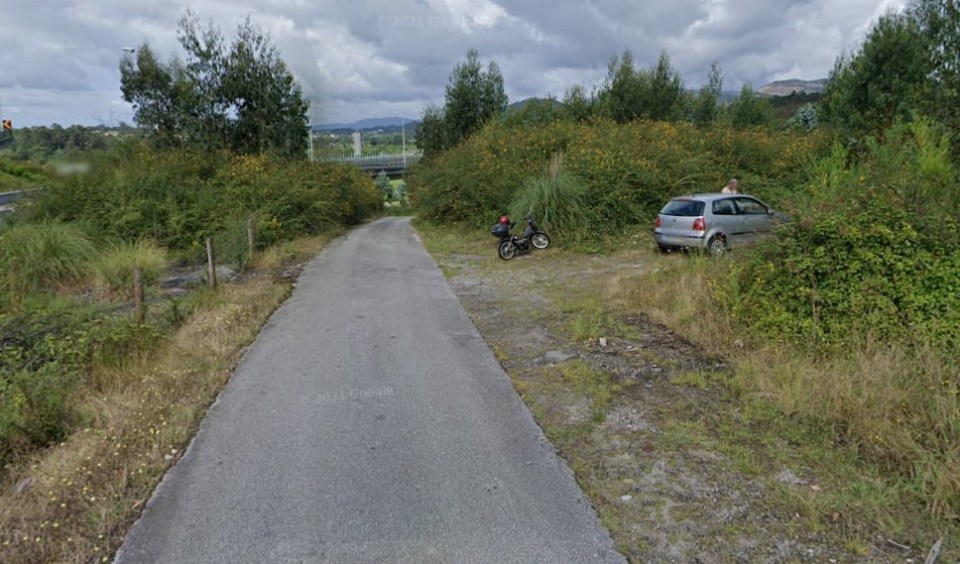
540	240
507	250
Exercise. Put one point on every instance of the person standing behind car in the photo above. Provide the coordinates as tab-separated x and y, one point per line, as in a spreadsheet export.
732	187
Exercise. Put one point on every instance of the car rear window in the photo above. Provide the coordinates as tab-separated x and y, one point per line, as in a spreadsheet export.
683	208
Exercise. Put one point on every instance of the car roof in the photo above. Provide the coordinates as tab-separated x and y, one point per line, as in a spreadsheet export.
709	197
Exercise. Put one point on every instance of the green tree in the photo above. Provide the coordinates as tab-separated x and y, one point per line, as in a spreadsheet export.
749	109
664	90
621	95
533	113
155	90
804	120
706	105
869	90
939	23
629	94
473	97
431	133
577	106
383	183
268	103
240	97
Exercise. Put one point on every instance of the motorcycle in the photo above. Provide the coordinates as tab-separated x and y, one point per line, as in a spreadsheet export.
510	245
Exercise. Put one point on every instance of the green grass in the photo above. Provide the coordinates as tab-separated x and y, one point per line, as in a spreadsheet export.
557	203
40	257
115	268
589	382
588	315
695	379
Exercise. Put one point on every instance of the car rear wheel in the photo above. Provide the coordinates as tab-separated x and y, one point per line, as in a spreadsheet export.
717	245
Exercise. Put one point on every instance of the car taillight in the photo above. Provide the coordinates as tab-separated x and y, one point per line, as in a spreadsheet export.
699	224
657	223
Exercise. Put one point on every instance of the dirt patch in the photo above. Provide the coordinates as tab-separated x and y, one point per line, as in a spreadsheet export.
670	466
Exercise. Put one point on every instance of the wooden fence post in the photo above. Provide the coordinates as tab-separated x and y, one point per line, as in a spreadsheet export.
211	264
138	293
250	240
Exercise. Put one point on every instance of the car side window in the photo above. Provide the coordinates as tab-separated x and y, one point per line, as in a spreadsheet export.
750	206
723	207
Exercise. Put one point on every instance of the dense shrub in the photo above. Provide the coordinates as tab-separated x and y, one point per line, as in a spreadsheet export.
179	198
875	254
854	274
20	175
44	356
628	170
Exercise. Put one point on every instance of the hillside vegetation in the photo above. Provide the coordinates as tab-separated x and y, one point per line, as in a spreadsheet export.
627	170
93	398
67	258
21	176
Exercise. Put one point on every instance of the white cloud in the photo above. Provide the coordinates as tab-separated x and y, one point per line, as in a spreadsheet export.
377	57
350	67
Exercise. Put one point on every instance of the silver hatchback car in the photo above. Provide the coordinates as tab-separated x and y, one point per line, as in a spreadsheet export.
712	222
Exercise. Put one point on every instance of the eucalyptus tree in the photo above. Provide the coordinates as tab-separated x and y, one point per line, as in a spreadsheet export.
473	97
240	96
706	104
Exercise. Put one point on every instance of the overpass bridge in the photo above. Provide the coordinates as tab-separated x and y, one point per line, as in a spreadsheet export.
395	166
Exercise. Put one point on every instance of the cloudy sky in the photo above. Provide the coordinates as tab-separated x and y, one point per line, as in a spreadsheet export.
376	58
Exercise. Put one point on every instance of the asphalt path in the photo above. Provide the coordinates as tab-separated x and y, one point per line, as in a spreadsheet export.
369	422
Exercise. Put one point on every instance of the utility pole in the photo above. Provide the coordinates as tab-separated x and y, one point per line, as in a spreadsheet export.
310	137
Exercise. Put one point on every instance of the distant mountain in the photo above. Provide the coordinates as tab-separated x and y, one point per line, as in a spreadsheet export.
787	87
523	103
368	123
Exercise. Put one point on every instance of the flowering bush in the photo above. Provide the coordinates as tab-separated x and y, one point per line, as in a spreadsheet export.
628	170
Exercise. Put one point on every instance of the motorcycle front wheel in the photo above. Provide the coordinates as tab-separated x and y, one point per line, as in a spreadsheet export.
539	240
507	250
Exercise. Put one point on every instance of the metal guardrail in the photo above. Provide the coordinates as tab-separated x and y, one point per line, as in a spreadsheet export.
7	198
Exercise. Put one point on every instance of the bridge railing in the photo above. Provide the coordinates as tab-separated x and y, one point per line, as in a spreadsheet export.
411	156
392	164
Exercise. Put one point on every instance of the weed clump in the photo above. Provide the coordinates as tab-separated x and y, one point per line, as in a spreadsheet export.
114	269
558	204
40	257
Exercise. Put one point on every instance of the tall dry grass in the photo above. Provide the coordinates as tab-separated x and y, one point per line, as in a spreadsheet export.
900	405
679	293
114	269
557	202
897	405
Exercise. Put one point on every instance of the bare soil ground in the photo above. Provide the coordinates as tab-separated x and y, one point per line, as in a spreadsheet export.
674	469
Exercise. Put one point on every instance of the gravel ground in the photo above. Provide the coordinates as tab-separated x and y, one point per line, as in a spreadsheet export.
657	461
